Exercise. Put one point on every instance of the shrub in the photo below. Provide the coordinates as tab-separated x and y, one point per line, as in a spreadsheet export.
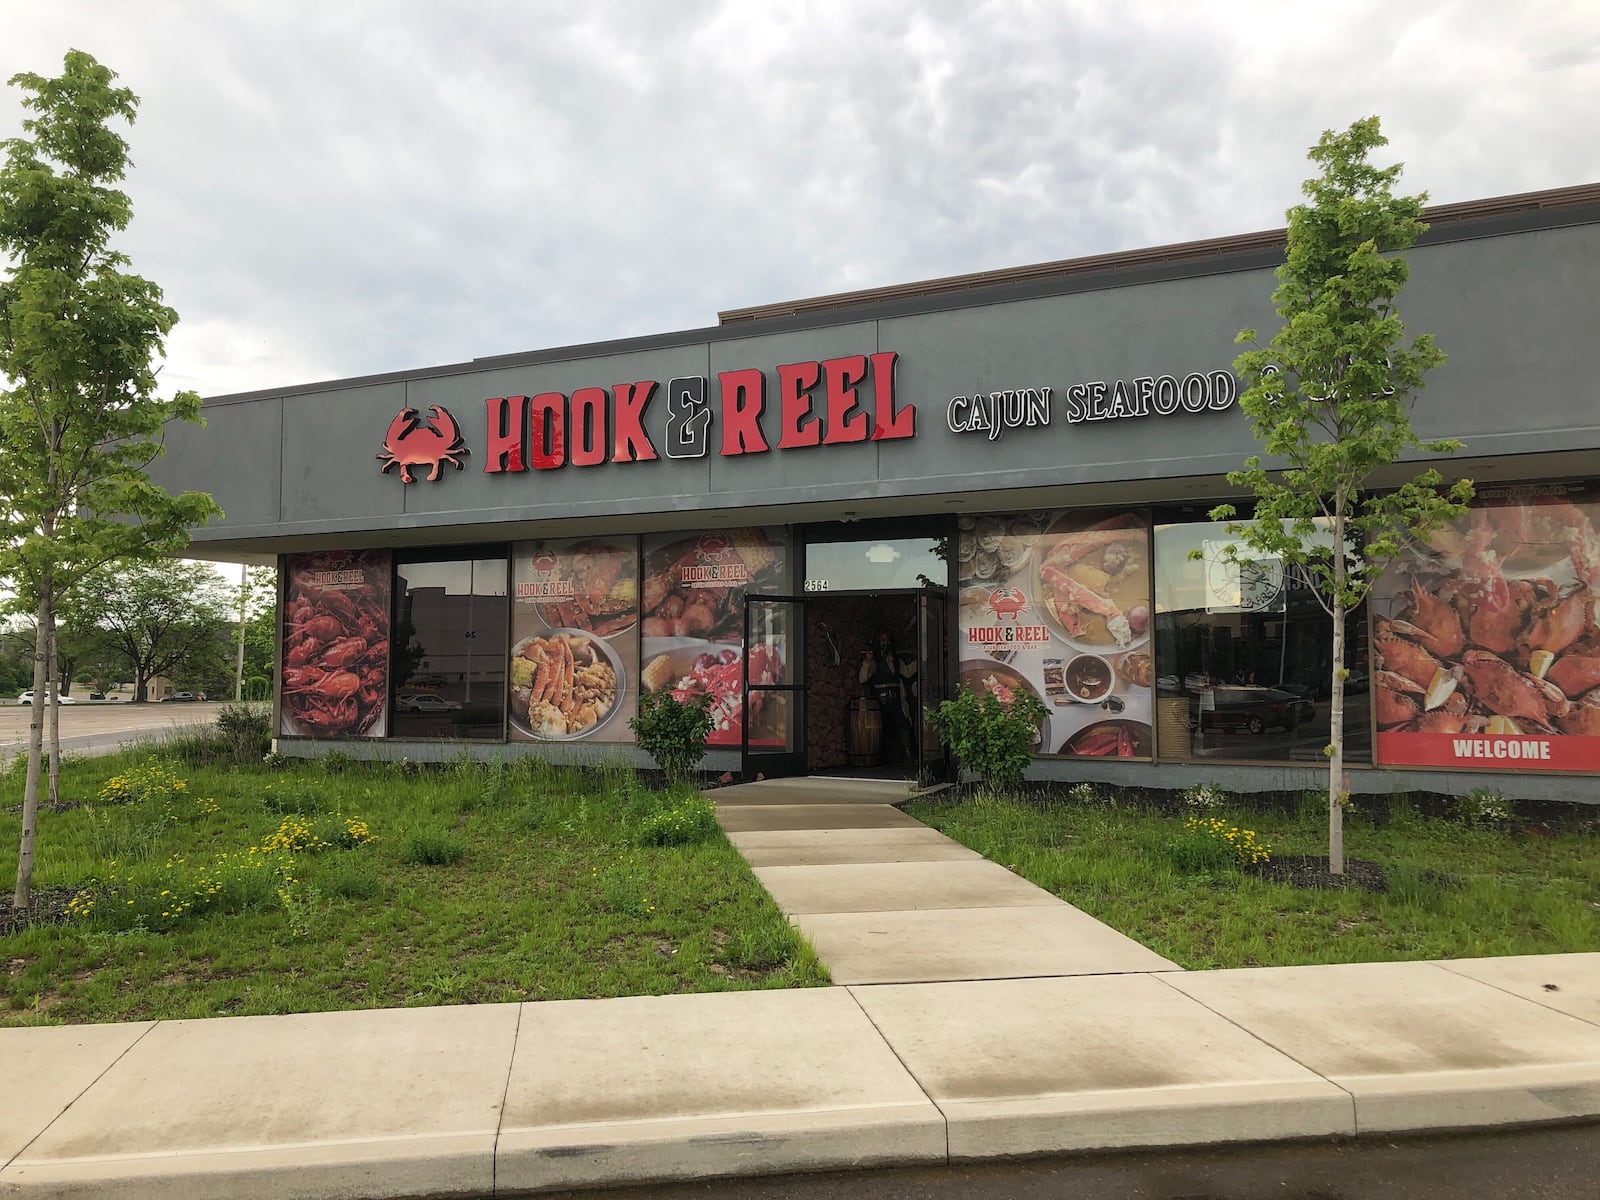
432	848
673	732
1238	844
1085	793
153	780
1206	797
298	834
993	740
1483	806
680	821
336	762
1195	852
246	731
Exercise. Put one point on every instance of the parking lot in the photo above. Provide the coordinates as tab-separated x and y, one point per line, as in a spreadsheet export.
99	727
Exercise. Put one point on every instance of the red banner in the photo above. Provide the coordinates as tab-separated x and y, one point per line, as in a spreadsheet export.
1500	751
1486	637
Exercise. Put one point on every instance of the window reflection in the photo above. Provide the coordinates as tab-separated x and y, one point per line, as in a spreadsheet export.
876	564
1244	656
450	649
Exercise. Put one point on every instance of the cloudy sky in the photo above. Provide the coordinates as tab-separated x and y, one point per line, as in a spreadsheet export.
331	189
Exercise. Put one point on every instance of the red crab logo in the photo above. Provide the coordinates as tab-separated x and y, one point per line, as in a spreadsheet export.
1007	603
544	564
413	442
713	544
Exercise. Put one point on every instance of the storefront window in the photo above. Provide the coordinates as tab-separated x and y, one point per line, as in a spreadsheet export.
1057	604
692	628
575	652
335	644
876	564
1244	655
450	649
1486	639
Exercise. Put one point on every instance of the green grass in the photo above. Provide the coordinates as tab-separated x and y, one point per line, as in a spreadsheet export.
504	883
1456	890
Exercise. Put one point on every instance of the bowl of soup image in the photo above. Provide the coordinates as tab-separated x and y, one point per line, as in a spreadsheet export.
1089	678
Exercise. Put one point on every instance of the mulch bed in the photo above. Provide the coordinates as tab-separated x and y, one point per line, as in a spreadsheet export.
49	908
1311	871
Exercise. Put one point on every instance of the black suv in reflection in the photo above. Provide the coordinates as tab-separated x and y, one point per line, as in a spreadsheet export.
1256	709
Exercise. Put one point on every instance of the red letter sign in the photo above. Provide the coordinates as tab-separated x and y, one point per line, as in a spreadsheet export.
588	427
507	433
844	376
549	431
629	442
800	425
890	424
744	399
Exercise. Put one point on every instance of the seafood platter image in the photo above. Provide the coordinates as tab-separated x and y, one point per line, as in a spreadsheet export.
574	620
695	668
694	587
564	685
691	626
1094	583
593	585
1059	605
1489	630
335	644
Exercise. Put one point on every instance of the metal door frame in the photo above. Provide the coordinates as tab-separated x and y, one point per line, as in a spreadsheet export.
792	761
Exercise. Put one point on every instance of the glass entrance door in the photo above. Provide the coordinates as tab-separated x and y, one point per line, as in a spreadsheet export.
773	740
933	657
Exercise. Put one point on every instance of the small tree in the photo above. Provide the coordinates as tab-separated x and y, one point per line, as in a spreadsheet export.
80	419
1330	397
158	618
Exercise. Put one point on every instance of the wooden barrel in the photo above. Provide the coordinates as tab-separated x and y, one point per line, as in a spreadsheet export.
863	732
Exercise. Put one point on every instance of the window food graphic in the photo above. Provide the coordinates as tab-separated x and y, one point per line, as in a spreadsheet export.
574	653
335	679
1485	646
1058	605
692	626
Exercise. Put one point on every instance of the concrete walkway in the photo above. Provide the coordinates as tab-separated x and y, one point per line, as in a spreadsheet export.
885	899
1092	1052
475	1101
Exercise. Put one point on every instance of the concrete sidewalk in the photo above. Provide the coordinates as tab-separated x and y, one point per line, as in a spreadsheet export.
474	1101
885	899
1031	1038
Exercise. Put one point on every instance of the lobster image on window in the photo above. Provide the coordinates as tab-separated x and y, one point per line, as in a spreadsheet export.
335	644
413	442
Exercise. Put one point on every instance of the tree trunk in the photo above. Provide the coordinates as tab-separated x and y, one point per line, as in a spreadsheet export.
238	663
55	717
1336	706
141	688
22	897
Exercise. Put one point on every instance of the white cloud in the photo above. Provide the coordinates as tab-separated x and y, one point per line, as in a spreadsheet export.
339	189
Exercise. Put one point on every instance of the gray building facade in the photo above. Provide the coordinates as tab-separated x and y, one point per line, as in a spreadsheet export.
1015	465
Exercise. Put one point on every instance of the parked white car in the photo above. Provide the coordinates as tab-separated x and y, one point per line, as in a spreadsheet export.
424	702
27	697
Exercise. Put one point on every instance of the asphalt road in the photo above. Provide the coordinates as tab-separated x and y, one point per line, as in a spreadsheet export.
1547	1163
101	727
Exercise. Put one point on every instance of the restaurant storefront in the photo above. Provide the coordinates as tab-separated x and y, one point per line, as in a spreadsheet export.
1010	474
